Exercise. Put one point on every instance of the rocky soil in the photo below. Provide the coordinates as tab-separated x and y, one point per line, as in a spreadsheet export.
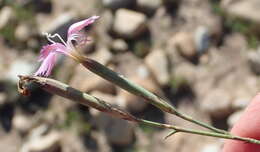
201	55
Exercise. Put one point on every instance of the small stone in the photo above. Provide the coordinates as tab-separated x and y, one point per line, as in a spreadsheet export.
86	81
254	60
49	142
240	103
202	39
118	132
243	9
22	123
185	72
20	67
185	44
54	22
214	147
10	141
33	43
131	102
102	55
149	5
217	103
157	62
3	98
115	4
119	45
102	141
23	32
232	119
5	16
79	9
68	138
38	142
129	24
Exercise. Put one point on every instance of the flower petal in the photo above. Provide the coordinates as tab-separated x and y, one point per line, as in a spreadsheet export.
56	47
79	38
47	65
76	27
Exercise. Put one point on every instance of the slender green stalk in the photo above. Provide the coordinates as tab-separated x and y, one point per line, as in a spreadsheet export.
198	132
61	89
135	89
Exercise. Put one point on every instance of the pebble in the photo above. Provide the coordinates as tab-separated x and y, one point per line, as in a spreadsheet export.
217	103
3	98
22	123
10	141
149	5
254	60
129	24
202	39
40	142
20	67
232	119
77	146
213	147
158	64
248	10
117	131
119	45
6	14
102	55
54	22
185	72
23	32
240	103
185	44
116	4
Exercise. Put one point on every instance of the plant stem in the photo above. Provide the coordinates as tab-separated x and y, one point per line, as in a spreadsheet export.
198	132
64	90
135	89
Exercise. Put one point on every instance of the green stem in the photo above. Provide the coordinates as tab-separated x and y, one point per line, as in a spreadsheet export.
198	132
61	89
135	89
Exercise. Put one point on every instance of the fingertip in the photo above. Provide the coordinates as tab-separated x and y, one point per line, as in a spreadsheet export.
247	126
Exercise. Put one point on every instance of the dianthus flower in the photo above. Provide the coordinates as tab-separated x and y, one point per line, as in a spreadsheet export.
75	38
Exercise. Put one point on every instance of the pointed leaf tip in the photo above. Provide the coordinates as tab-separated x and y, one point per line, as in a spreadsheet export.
170	134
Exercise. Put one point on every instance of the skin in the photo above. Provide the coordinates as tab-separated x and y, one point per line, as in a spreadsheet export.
247	126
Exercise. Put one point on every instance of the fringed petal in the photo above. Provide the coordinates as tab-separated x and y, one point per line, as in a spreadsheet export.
55	47
47	65
76	27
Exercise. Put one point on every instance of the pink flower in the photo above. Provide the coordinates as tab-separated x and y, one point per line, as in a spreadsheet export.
49	52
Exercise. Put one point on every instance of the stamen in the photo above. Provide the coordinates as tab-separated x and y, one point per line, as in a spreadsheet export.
57	35
48	37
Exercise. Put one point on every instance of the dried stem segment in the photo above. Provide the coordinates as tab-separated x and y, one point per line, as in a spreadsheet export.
64	90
